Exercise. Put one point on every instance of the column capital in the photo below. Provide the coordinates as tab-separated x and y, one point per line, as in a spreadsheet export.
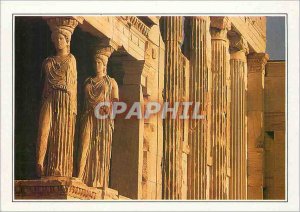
238	47
238	43
220	22
219	26
261	58
256	62
58	23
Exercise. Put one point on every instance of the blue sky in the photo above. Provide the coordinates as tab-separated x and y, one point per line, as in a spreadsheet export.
276	37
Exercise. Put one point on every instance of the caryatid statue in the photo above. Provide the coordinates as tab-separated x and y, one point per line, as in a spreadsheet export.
58	105
96	134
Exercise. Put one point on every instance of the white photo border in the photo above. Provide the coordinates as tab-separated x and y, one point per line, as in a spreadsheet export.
289	9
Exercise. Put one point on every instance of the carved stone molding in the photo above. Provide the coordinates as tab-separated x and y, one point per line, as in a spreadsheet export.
66	21
54	188
256	62
261	58
61	188
258	22
137	23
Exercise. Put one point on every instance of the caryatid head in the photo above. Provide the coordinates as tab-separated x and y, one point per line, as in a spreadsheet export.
101	59
62	29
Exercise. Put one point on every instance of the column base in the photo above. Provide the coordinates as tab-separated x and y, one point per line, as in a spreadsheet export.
62	188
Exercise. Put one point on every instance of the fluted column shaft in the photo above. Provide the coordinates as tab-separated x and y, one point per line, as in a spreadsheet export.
238	125
200	51
172	150
255	108
219	108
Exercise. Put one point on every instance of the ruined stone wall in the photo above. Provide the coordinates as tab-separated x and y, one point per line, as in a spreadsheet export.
275	147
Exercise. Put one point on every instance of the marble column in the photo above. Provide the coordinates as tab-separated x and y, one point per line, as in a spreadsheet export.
220	100
238	125
172	36
199	46
255	108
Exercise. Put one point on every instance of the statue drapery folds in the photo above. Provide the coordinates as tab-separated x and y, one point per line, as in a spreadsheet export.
96	134
59	104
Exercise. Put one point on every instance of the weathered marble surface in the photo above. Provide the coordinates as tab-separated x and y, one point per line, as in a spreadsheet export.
62	188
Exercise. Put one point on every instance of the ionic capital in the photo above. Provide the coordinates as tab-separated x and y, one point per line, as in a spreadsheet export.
219	27
258	58
238	47
256	62
238	43
220	22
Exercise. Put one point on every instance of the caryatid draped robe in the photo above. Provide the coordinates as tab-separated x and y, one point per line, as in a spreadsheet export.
57	116
96	134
